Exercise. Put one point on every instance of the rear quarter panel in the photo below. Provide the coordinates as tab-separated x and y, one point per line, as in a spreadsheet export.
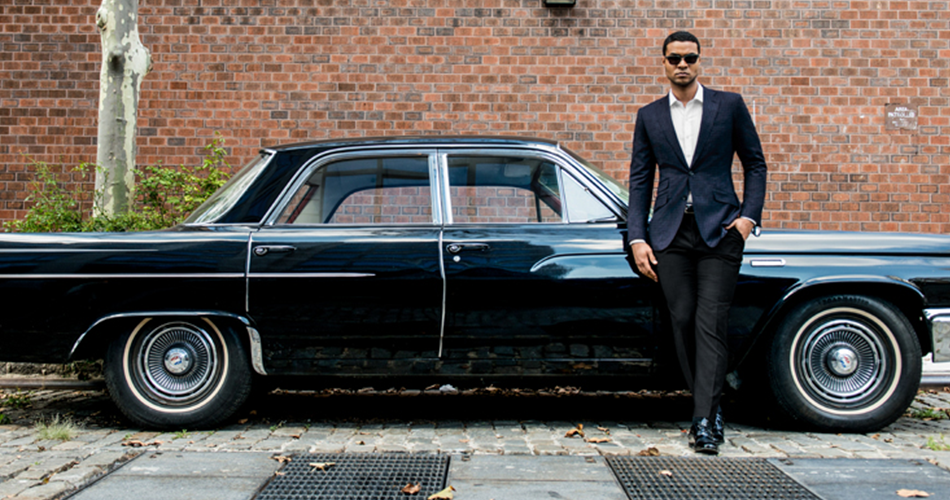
55	286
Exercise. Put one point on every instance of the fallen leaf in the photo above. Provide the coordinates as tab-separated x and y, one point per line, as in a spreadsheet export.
579	431
282	459
464	440
913	494
135	443
666	473
445	494
876	436
604	429
649	452
295	436
411	489
279	473
322	465
242	421
598	440
361	443
252	412
431	387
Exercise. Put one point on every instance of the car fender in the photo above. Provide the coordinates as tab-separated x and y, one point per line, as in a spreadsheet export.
905	295
91	338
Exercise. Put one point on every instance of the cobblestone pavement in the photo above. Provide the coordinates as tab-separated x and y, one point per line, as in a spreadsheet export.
37	464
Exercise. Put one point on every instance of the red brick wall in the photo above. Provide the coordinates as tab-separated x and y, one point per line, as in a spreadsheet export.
817	75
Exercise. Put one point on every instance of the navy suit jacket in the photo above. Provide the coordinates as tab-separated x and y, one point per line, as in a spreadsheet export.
726	130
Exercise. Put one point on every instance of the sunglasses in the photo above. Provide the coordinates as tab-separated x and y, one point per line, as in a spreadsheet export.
675	59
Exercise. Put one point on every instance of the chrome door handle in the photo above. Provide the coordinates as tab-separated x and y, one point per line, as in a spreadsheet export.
458	247
263	250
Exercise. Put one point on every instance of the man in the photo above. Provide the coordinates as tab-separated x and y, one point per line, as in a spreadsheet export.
693	243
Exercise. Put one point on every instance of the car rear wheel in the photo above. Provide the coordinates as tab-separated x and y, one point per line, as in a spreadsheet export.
178	373
845	363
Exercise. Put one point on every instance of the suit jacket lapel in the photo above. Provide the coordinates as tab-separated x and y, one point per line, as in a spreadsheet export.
710	108
669	133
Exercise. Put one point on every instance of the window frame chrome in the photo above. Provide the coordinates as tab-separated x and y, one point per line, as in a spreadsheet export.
555	156
319	161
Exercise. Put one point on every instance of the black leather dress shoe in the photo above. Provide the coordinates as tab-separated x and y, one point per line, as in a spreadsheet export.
719	427
701	438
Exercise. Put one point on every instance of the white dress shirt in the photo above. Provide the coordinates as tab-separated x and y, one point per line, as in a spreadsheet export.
686	121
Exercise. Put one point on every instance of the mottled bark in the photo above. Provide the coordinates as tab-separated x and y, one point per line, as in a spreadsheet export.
125	62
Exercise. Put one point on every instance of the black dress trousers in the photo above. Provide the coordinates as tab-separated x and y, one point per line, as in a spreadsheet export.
698	282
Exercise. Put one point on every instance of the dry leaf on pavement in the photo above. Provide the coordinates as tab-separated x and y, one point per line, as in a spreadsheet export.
666	473
598	440
411	489
649	452
445	494
913	494
322	465
281	458
579	431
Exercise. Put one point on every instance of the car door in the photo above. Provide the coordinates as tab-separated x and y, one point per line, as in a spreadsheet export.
537	281
346	278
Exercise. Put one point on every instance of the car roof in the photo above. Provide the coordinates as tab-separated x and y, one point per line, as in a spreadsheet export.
411	140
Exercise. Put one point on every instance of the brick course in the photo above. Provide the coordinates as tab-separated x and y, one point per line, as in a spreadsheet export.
817	76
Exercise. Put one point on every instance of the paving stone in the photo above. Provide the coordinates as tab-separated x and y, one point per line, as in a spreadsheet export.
44	491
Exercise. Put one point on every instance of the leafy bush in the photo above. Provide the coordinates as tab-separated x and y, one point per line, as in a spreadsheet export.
164	197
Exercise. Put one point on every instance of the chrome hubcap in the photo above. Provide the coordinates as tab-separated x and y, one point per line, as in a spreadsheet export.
177	361
843	361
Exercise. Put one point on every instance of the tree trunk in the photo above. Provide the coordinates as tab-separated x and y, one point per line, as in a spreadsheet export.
125	62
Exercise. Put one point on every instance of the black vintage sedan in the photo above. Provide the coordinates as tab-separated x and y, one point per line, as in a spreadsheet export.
474	259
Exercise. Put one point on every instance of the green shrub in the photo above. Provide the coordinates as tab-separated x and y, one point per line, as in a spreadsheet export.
164	197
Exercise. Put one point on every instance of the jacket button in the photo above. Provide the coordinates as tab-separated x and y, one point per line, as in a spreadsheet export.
690	173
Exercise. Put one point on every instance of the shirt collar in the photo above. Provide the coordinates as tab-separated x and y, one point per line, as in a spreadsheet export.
698	97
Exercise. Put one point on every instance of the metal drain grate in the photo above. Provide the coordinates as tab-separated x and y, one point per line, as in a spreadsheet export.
357	476
653	478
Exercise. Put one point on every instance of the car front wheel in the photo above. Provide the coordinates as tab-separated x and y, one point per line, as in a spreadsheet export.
178	373
845	363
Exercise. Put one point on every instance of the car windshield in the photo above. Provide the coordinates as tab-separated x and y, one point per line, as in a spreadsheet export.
224	199
612	184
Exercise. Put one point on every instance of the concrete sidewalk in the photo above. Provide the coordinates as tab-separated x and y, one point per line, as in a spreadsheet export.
240	476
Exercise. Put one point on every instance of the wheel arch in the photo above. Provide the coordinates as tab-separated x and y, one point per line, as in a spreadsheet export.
903	295
93	342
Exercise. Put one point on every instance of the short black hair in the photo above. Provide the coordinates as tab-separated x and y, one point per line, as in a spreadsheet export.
681	36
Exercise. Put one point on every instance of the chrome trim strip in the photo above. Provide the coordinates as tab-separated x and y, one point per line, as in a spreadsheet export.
444	183
938	320
257	351
145	314
247	274
125	276
311	275
435	178
76	250
445	292
930	314
767	262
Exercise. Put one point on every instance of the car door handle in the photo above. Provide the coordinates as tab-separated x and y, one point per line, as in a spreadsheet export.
458	247
263	250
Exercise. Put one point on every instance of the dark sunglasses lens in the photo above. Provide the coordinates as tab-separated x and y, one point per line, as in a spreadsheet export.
690	59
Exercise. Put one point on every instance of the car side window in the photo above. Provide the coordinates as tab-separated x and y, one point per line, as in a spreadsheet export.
506	190
582	205
388	190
